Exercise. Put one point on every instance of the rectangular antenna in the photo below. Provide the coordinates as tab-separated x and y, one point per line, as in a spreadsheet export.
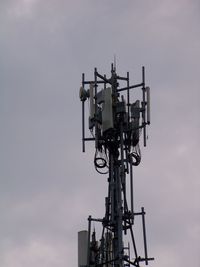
107	110
82	248
92	105
148	104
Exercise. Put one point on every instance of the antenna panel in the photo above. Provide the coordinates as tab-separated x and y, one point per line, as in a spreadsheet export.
148	104
107	110
92	106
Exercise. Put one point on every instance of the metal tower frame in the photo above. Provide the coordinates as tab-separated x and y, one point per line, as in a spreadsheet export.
115	125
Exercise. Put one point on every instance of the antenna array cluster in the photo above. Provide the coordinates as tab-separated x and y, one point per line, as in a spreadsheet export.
115	124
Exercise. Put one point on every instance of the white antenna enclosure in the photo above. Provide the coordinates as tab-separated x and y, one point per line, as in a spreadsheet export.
82	248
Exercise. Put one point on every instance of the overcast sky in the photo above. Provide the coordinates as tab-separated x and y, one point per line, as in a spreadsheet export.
48	187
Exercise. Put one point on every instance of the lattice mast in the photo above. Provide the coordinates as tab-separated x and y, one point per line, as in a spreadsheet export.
115	125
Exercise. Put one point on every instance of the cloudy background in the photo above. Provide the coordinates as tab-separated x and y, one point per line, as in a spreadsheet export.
47	186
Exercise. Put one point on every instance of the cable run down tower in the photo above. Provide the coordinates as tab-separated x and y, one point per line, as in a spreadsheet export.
115	125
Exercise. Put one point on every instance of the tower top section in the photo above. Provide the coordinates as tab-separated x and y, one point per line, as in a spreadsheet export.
114	109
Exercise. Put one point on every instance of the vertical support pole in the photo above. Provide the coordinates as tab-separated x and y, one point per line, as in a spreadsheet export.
104	82
112	184
128	97
144	236
83	117
83	126
119	249
122	170
95	115
143	105
89	234
120	178
131	186
128	104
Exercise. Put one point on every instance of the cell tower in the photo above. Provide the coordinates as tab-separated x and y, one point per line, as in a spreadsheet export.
115	125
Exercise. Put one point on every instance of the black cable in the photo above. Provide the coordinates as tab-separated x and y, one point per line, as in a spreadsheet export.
136	158
136	155
100	162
